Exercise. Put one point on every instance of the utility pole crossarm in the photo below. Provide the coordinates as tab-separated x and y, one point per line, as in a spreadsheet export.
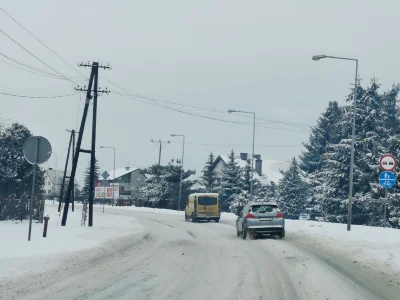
80	89
91	65
159	145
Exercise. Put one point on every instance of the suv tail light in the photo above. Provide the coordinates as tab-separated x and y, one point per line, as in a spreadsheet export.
249	216
279	215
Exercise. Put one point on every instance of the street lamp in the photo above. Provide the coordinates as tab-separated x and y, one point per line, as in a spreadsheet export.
353	133
103	147
252	156
180	182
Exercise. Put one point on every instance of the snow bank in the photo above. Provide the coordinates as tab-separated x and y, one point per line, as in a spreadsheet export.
224	216
18	255
375	246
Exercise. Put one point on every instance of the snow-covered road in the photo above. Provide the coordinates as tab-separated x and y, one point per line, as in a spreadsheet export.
174	259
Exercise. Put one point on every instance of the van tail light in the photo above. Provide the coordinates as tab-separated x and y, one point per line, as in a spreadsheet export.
249	216
279	215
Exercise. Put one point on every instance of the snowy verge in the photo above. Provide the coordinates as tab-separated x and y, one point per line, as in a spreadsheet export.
224	216
18	256
376	247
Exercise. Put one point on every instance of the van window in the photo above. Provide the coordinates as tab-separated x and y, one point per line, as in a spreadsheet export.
306	211
264	208
207	200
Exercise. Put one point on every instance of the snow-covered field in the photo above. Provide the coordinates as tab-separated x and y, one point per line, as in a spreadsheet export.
17	255
376	247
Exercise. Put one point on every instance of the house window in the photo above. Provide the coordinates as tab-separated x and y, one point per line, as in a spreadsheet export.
127	178
49	192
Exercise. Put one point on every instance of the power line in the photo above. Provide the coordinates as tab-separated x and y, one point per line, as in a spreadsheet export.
136	95
38	97
238	145
36	38
205	117
36	57
27	66
35	73
202	108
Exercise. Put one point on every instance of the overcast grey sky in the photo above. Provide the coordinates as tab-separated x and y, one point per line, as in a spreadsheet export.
245	55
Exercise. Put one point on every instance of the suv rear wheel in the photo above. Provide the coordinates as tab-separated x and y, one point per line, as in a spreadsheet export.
244	232
281	235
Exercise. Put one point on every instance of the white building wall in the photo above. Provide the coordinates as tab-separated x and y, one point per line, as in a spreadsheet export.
52	182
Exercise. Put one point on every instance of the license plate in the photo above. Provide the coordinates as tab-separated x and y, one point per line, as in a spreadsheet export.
265	219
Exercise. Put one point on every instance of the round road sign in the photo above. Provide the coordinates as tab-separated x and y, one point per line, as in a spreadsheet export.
388	162
37	150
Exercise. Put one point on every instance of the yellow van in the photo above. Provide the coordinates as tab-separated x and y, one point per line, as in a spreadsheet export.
203	206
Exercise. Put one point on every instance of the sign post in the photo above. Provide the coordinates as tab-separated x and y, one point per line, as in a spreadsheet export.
387	179
384	210
37	150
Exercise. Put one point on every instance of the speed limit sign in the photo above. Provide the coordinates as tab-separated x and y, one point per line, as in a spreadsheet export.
388	162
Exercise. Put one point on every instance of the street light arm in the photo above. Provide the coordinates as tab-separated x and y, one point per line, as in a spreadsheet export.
344	58
318	57
241	111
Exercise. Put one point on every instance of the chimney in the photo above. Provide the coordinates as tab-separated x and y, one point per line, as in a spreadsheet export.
257	156
127	168
243	156
259	166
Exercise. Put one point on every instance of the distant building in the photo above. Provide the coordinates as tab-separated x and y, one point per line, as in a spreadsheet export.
52	182
129	180
264	170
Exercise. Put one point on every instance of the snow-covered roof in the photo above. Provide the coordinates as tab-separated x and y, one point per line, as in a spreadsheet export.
202	194
197	186
118	173
270	168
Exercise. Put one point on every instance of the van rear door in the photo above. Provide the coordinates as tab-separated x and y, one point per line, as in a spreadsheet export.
208	206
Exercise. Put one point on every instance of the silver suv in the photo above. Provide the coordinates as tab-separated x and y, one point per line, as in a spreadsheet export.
260	218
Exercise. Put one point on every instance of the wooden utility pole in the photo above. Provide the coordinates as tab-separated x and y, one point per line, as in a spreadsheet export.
93	81
159	145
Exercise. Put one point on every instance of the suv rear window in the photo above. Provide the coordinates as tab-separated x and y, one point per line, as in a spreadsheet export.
207	200
263	208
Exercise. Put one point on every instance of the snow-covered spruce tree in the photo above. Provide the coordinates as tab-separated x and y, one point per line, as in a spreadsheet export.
246	180
231	181
209	176
16	172
393	210
322	134
239	200
246	176
86	181
292	191
376	129
313	159
162	186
